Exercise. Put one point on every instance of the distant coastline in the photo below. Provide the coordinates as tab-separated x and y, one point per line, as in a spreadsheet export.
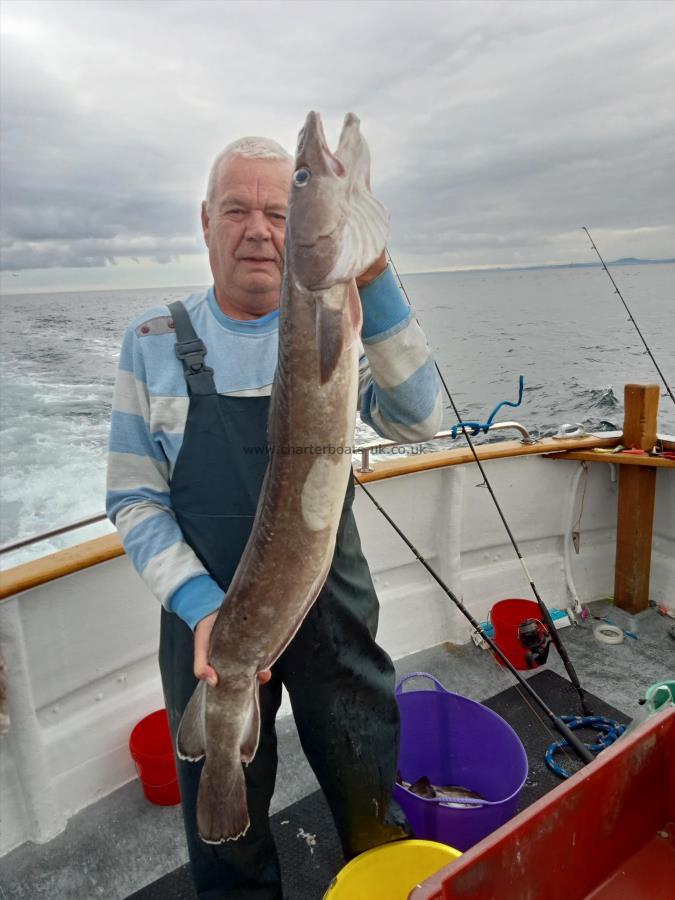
624	261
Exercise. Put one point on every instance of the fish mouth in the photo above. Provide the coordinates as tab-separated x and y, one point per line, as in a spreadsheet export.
313	148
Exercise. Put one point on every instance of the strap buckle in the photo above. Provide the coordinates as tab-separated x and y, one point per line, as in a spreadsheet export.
191	354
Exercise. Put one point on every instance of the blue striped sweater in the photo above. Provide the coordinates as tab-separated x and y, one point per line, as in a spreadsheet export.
399	397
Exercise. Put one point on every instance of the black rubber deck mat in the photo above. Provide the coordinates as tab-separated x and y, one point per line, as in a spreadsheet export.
308	845
536	732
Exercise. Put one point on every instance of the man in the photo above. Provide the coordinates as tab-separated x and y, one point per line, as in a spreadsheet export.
182	491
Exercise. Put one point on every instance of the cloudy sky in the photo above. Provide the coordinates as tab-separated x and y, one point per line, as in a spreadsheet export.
496	129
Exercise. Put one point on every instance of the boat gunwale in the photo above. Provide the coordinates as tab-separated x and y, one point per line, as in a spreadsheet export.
86	554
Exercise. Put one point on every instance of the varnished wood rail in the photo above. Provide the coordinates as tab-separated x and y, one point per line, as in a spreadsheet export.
99	550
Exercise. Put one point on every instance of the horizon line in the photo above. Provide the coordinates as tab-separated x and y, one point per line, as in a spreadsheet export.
442	271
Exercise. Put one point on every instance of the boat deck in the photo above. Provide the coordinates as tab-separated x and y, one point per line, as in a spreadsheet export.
122	843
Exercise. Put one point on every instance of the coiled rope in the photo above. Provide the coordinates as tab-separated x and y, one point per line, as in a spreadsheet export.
607	727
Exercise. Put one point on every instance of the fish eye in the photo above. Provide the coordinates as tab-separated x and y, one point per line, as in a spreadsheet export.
301	177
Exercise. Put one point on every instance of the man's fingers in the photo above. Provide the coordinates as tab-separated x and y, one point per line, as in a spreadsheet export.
210	675
201	668
204	671
201	663
373	271
207	673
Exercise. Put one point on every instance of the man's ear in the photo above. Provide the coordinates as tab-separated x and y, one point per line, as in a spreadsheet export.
205	223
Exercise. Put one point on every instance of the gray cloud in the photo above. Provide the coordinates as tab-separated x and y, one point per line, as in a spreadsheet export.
78	188
88	252
496	129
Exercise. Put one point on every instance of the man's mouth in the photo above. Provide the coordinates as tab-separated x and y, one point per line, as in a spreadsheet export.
257	259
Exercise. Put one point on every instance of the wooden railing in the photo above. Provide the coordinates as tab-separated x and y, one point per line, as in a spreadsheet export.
102	549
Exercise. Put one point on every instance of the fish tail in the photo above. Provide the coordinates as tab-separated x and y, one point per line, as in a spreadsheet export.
222	810
191	738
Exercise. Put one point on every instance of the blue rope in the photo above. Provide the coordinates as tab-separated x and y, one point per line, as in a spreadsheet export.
475	428
611	730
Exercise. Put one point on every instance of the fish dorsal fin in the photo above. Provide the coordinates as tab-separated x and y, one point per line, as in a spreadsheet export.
365	233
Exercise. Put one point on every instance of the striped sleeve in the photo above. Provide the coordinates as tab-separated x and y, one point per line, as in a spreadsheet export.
399	388
138	500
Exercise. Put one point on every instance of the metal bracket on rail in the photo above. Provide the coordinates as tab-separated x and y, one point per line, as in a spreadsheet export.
384	445
470	428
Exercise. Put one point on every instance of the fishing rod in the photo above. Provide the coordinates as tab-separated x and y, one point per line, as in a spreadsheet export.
630	314
553	631
566	733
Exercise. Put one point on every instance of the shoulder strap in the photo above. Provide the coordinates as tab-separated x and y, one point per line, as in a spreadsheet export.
191	350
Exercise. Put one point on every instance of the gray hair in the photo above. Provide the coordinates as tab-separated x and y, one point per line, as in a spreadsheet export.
249	147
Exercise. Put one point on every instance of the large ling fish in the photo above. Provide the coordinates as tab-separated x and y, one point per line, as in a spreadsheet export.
335	229
4	708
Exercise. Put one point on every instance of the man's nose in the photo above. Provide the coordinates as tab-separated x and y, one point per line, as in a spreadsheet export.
257	226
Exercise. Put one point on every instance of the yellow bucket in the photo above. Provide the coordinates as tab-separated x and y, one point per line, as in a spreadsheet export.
391	871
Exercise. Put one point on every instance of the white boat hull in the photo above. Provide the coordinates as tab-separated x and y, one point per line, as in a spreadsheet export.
81	650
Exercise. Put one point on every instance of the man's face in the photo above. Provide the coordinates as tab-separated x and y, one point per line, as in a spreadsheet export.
244	231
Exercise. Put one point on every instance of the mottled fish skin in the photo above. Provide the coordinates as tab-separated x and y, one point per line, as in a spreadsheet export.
4	708
463	797
335	229
457	793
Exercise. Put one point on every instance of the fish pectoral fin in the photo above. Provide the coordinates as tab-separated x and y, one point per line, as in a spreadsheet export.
330	339
191	738
251	732
367	226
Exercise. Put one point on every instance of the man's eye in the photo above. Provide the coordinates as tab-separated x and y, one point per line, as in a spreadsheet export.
280	217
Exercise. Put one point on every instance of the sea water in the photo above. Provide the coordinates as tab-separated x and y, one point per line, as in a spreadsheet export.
563	329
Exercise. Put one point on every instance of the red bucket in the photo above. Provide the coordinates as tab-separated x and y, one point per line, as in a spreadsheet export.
506	616
151	749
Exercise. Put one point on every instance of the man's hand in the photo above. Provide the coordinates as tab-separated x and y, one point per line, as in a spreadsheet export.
202	669
373	271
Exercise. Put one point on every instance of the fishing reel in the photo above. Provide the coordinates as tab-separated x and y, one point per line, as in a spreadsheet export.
536	640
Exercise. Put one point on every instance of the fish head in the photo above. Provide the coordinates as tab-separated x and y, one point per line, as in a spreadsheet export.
335	227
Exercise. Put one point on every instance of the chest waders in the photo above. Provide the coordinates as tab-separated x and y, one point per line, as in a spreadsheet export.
340	683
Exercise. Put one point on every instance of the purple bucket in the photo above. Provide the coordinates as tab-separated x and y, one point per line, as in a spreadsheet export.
456	741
